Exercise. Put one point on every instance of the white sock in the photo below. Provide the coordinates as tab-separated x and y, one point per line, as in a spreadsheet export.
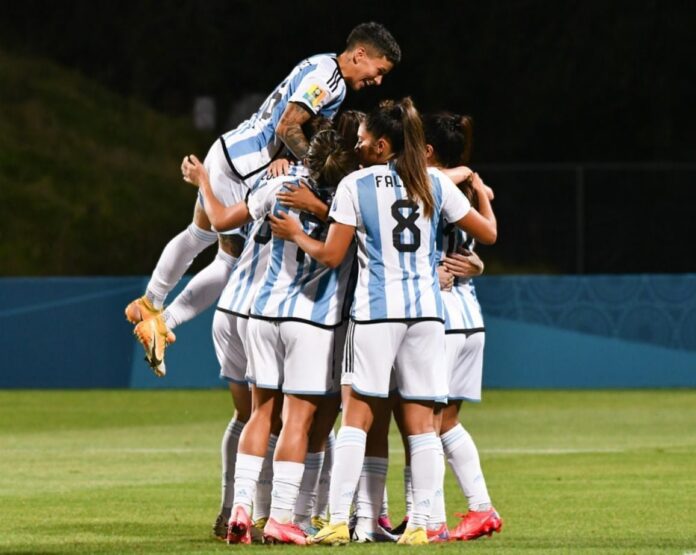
321	503
230	440
348	460
175	260
408	490
384	511
424	454
246	475
308	487
463	457
438	515
262	502
368	500
202	291
287	476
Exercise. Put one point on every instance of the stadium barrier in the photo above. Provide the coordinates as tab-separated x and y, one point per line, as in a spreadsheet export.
631	331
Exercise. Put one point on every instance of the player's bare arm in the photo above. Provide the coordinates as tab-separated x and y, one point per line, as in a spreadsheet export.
289	129
221	217
330	253
481	223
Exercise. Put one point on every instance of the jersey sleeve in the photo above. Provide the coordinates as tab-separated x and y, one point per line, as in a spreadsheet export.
261	199
316	90
343	207
454	204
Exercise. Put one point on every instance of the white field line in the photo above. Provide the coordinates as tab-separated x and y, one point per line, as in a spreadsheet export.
392	450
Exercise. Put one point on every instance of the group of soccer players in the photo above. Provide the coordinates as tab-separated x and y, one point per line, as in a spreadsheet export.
343	278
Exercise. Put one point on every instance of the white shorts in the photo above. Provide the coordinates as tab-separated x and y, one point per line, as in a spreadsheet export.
294	357
228	347
227	187
415	350
464	355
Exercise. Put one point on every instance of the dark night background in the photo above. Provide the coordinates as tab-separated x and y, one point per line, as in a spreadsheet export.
584	111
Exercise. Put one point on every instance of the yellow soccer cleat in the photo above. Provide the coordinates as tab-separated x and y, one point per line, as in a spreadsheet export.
414	536
154	336
332	534
141	309
319	522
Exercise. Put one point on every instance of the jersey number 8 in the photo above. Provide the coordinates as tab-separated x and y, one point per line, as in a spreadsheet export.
405	223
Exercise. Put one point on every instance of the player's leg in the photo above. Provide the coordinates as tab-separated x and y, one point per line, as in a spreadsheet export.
306	379
369	355
322	426
371	486
422	381
232	360
398	412
265	371
206	286
465	354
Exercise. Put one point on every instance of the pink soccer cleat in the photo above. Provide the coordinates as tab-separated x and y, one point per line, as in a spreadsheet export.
439	535
475	524
239	527
289	532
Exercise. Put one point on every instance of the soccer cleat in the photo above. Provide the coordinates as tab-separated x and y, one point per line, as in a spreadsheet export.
414	536
332	534
289	532
401	527
220	526
238	530
475	524
257	530
154	336
439	535
319	522
141	309
385	523
360	534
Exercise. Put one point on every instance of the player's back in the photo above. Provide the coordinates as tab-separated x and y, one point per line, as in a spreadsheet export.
397	245
315	83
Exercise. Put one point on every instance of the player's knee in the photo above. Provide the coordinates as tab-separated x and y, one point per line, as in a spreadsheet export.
232	244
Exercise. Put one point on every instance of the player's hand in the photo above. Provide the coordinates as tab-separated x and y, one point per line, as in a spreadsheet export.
445	278
482	188
299	197
284	226
279	167
192	170
464	265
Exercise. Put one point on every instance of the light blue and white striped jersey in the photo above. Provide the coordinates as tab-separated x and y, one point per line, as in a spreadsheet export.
295	286
462	309
251	265
397	246
316	83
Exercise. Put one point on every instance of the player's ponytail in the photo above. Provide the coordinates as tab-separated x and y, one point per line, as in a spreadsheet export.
401	124
450	136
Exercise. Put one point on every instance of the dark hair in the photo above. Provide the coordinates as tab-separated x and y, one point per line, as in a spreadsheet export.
329	159
347	125
313	125
375	35
400	123
450	136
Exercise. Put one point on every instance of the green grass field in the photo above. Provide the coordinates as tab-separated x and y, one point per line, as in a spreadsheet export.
138	472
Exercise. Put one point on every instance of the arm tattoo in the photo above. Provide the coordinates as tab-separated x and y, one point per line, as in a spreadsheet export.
290	130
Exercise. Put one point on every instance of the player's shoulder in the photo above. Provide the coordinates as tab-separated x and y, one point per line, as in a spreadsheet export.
439	179
352	179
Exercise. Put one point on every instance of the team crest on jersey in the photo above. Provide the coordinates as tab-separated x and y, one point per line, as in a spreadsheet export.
315	95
